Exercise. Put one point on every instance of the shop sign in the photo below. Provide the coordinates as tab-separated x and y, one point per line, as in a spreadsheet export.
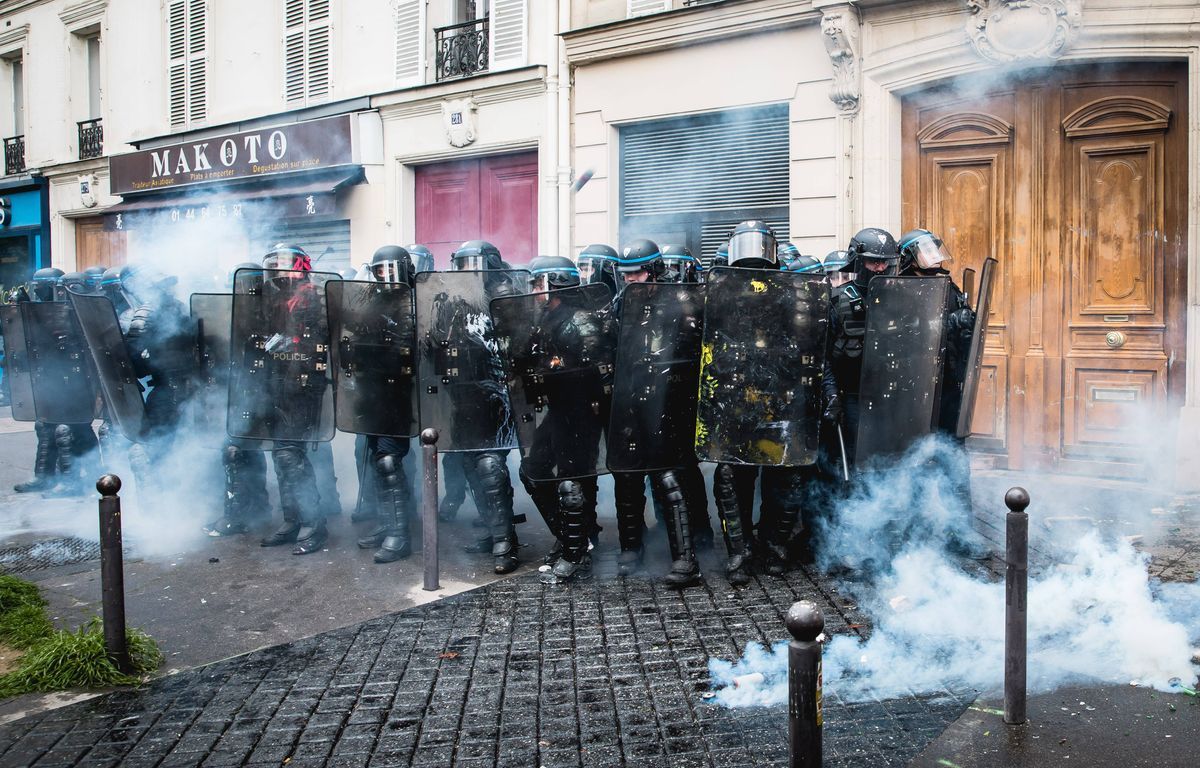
304	146
214	210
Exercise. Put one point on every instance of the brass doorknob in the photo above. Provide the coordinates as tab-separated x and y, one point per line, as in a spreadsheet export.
1114	339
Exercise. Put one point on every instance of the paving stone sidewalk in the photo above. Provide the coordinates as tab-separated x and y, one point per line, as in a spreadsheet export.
606	673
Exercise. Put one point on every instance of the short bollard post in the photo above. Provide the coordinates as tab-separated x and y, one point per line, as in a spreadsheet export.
112	574
1016	583
805	622
429	508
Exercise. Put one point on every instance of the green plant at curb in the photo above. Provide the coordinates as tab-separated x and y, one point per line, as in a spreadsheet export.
15	593
78	660
24	627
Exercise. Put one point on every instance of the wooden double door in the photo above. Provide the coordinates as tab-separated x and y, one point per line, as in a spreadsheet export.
1075	179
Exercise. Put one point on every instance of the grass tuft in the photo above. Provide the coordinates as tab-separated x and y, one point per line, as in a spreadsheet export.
15	593
77	660
23	627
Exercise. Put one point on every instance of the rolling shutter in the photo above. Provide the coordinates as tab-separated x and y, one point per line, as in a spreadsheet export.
327	242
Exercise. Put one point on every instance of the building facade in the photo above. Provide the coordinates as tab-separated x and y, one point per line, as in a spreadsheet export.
1058	136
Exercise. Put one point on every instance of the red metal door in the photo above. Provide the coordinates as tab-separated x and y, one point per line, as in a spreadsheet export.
490	198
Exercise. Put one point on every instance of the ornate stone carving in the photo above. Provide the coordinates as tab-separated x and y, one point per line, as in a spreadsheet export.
839	29
1016	30
458	115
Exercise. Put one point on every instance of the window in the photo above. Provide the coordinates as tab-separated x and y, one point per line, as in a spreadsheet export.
93	76
17	69
187	53
306	50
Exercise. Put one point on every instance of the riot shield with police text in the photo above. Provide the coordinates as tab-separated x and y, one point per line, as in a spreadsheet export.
761	359
558	360
373	333
903	350
213	316
64	390
279	379
118	380
461	373
16	364
653	421
975	352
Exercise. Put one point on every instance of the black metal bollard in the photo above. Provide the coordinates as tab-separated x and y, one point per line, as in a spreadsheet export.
805	622
1016	584
429	508
112	574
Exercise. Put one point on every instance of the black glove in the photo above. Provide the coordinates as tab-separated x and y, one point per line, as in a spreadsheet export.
833	410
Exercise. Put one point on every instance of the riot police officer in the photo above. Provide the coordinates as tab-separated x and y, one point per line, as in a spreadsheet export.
596	264
680	261
45	459
421	257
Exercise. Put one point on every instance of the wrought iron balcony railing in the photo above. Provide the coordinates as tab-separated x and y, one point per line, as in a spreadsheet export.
91	139
462	49
14	155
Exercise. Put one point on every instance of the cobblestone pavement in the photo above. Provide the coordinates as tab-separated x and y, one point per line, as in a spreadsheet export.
515	673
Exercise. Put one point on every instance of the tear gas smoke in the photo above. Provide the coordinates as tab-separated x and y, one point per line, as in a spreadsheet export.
1095	615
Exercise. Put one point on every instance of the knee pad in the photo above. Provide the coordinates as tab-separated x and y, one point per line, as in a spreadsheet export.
231	456
570	494
388	468
63	435
670	487
287	459
493	472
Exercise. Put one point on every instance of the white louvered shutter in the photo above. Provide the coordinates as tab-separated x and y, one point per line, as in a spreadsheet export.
187	68
410	41
318	53
508	20
643	7
307	51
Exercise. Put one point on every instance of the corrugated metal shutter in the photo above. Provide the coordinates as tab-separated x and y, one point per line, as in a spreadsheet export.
327	242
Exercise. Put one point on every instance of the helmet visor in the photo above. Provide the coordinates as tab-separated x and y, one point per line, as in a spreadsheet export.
473	262
278	260
386	271
753	246
930	253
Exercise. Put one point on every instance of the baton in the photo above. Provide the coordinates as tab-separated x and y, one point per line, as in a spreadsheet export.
842	445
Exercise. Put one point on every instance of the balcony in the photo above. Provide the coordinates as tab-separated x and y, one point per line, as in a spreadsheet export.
14	155
91	139
462	49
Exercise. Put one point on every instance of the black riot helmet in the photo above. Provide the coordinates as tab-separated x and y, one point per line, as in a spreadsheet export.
874	252
679	259
41	285
786	253
76	282
597	263
285	256
553	272
641	257
392	264
94	275
753	245
806	265
110	285
475	255
923	251
143	284
721	257
422	258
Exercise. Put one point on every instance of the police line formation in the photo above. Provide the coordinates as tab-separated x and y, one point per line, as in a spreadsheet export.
785	371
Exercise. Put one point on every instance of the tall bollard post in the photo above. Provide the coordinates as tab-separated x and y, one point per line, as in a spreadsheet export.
805	622
429	508
112	574
1016	584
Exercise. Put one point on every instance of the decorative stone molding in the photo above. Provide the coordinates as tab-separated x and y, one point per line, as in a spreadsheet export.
840	30
458	115
1117	114
83	14
965	129
1017	30
13	38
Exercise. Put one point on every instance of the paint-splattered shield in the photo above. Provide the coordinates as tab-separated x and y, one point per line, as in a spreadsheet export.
760	367
462	390
374	367
975	353
115	372
213	316
559	356
653	422
64	389
280	385
902	363
16	364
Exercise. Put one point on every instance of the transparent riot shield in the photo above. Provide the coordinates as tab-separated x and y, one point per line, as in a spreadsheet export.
760	367
16	364
975	353
64	390
902	363
559	359
114	368
459	366
279	380
653	421
373	331
213	316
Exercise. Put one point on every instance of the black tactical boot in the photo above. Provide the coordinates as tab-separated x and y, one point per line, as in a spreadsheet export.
685	572
394	503
630	561
565	572
310	538
737	566
373	539
285	534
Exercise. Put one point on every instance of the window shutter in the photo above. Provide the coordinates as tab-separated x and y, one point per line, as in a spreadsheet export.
307	50
318	62
197	69
177	62
507	46
410	38
643	7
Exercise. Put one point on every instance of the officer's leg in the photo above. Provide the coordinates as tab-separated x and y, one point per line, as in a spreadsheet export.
495	488
235	462
298	496
684	570
68	482
364	504
694	493
575	563
394	500
545	498
737	567
44	460
781	487
326	476
454	477
629	490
